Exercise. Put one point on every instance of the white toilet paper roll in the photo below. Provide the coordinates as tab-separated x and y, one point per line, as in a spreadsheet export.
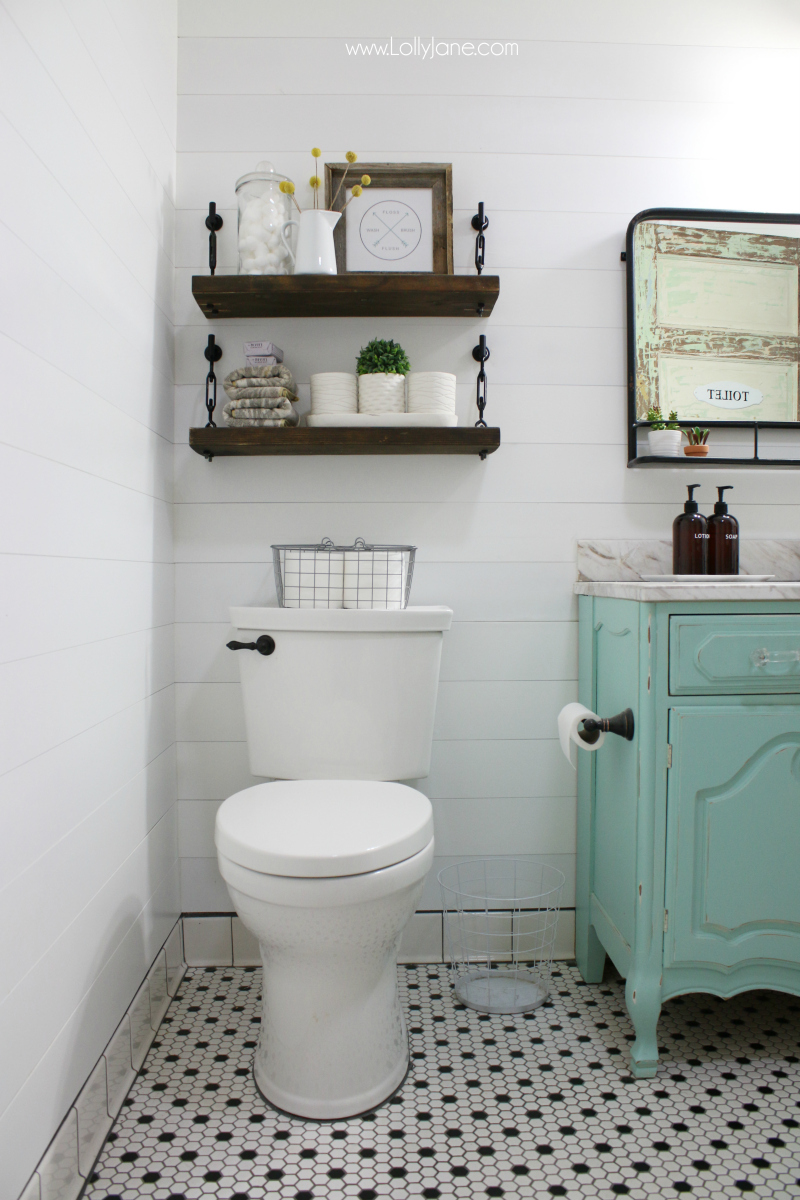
569	719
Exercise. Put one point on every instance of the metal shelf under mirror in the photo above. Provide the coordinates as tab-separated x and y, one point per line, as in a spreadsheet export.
713	338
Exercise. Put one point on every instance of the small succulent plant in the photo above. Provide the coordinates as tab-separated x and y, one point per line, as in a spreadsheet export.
658	421
381	356
697	436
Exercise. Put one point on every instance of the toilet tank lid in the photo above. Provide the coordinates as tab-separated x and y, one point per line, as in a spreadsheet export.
353	620
318	828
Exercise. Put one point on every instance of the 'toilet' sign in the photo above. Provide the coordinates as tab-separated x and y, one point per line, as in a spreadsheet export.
724	394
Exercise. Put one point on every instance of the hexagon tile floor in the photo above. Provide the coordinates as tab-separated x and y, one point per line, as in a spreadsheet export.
533	1106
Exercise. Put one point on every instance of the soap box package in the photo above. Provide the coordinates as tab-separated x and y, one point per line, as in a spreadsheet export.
262	354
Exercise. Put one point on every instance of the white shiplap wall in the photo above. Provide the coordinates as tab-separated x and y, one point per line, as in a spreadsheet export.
607	109
88	853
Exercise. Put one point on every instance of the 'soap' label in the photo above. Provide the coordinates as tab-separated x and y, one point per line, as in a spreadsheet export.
725	394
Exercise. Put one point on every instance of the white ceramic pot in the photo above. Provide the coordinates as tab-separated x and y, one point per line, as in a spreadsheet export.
431	391
334	392
664	443
315	252
381	393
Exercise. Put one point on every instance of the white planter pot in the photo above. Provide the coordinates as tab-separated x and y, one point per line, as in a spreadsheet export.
665	443
381	393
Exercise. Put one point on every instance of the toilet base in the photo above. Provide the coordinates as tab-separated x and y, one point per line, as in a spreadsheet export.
333	1042
331	1110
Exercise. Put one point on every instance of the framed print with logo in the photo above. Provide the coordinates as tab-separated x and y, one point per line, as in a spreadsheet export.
402	222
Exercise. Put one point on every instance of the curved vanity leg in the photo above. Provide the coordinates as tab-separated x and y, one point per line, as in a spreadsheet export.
591	956
644	1006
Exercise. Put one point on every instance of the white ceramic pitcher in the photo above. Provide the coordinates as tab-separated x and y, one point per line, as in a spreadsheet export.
315	251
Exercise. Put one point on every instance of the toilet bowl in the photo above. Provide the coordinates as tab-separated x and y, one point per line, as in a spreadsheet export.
326	874
326	866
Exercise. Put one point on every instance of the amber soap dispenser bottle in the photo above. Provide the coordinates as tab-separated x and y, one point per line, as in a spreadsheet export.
723	538
690	539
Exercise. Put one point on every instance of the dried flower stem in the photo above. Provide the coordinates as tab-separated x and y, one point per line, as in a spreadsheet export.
339	188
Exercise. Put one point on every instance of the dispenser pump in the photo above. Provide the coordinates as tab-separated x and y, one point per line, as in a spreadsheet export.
720	507
691	504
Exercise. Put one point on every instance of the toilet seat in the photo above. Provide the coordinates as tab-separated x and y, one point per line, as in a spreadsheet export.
323	828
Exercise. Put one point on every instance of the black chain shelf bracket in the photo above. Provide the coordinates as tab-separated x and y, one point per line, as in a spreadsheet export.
479	223
212	353
213	225
481	353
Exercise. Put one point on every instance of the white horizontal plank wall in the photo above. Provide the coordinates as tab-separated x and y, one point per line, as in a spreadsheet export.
602	110
88	861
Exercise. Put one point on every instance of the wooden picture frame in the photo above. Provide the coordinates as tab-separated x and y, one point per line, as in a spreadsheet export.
438	177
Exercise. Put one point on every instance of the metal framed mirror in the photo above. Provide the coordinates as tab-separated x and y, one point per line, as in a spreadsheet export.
714	333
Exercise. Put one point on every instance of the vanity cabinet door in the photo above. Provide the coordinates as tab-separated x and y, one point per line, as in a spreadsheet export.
733	836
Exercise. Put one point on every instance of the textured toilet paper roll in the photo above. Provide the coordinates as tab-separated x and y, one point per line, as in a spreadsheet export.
569	719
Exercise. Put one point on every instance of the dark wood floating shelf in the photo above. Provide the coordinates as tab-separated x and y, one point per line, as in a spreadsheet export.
214	443
368	294
650	460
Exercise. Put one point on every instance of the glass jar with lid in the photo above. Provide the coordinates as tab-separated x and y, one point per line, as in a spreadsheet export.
263	208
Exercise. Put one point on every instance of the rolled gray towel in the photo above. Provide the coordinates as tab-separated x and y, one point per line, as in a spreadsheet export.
284	413
276	375
259	402
241	395
232	423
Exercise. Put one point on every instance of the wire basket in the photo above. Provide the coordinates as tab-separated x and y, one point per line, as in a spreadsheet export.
500	921
330	576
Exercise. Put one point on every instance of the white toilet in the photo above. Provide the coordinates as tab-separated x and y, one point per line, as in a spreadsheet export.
327	866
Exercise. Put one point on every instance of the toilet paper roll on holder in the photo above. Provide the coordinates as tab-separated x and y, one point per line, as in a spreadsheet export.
621	724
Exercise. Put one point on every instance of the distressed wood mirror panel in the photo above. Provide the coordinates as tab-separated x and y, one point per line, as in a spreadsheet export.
714	325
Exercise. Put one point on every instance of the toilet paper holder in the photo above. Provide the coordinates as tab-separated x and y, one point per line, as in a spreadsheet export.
621	724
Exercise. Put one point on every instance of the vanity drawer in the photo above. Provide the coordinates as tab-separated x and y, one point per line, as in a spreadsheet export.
713	656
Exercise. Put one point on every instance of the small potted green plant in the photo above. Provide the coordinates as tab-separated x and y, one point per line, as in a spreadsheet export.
664	435
382	367
697	439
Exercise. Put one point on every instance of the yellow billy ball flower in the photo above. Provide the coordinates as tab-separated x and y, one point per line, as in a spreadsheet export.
365	179
287	187
357	190
351	157
315	181
316	152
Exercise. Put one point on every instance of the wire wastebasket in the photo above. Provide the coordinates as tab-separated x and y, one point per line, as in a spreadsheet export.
500	921
325	575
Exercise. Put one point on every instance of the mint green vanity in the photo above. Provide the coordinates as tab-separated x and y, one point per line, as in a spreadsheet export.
688	871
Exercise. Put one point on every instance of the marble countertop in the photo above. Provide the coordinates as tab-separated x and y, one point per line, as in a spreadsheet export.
614	569
654	592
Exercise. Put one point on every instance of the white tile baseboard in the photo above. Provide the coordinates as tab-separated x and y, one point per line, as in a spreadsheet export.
422	939
208	941
221	940
69	1159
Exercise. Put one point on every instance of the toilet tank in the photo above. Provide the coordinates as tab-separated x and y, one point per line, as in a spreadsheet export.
346	693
